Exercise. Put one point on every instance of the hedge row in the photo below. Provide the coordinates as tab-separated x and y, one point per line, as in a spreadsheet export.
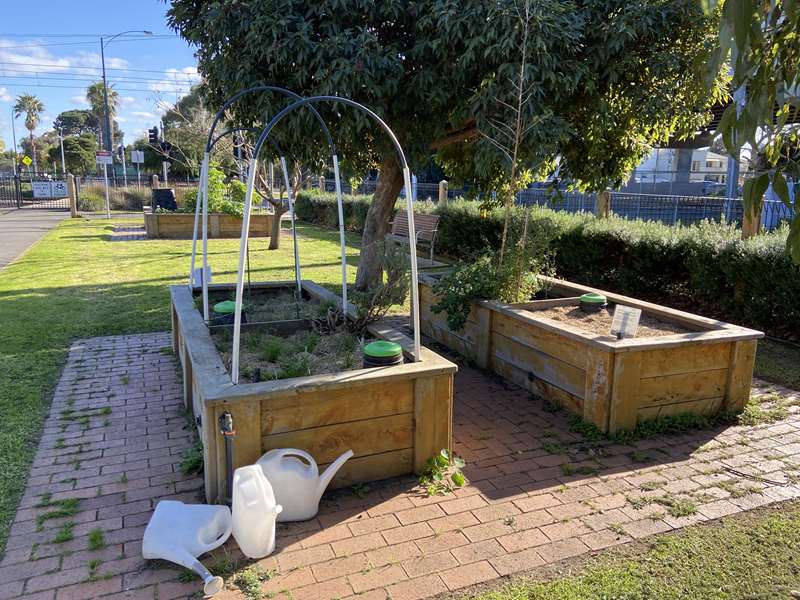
704	268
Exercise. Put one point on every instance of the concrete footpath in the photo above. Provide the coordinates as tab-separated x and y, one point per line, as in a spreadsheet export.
21	228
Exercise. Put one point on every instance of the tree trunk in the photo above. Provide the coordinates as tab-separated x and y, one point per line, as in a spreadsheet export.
376	224
33	152
275	228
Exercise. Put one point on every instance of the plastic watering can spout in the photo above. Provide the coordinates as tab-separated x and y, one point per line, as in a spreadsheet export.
211	584
332	469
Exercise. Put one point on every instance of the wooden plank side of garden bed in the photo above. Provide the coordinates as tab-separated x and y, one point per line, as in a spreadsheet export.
538	386
685	359
682	387
315	409
541	364
564	349
373	467
364	438
706	406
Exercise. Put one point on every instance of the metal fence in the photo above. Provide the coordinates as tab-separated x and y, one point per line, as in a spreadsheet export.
31	190
664	208
131	198
670	209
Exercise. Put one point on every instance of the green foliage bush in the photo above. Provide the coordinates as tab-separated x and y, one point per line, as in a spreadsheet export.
705	268
227	198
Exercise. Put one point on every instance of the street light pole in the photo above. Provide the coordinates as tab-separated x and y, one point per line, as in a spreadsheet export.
14	139
103	43
63	162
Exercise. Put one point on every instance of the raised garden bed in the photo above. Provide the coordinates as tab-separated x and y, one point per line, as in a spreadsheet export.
677	363
180	226
393	418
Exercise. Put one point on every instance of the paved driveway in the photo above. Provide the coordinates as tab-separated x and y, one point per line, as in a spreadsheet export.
20	229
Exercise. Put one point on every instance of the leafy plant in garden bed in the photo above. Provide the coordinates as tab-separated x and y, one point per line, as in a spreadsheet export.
223	197
443	474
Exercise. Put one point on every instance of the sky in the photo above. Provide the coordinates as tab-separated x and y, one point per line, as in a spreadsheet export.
52	49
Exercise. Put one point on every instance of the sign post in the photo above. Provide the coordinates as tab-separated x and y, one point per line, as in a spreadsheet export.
105	158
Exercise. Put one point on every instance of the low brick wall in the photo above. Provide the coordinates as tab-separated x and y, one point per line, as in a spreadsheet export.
179	226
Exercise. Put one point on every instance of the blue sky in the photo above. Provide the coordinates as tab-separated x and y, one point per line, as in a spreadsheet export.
51	48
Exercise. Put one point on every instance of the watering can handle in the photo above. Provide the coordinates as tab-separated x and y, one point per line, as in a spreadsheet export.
220	540
284	452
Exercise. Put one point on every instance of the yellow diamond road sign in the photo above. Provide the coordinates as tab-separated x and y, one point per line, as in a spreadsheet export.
27	160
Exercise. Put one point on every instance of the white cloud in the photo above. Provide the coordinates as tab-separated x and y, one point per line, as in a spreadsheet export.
5	96
144	115
18	57
177	81
127	101
79	99
120	119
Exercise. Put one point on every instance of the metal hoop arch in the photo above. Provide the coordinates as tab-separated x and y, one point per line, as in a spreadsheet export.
246	220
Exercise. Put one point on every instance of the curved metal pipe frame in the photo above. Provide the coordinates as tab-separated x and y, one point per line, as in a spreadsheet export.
246	220
202	194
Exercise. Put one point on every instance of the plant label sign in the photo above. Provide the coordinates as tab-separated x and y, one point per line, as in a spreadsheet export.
625	321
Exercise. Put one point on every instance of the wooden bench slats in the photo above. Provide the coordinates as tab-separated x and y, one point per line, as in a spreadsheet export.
425	228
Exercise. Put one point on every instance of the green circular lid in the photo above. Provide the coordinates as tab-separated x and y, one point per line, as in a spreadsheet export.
226	307
382	349
593	298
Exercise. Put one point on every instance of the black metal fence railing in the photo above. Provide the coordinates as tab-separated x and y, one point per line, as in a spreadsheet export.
669	209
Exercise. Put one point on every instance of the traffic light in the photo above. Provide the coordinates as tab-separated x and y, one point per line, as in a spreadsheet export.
166	147
152	136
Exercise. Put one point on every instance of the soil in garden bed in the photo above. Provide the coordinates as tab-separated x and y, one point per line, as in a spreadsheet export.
265	357
600	322
268	304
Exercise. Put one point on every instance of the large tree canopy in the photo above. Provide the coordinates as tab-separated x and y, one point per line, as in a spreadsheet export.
77	122
608	78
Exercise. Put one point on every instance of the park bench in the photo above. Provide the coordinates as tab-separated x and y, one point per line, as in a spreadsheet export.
425	226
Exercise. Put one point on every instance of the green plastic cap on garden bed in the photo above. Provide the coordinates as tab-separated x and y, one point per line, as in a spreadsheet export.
382	349
226	307
593	298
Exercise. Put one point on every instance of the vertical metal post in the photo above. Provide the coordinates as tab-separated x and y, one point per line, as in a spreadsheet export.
124	166
412	233
237	322
105	99
732	177
63	161
14	139
105	179
198	202
204	184
294	229
341	232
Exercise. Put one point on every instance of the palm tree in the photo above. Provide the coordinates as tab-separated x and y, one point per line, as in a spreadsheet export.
96	99
33	108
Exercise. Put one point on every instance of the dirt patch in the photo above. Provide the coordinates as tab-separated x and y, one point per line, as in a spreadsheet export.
265	357
600	322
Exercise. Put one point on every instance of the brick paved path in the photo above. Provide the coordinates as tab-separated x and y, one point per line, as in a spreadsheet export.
128	233
539	493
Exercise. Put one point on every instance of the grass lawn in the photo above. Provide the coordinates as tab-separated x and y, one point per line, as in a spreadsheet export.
753	555
76	283
778	362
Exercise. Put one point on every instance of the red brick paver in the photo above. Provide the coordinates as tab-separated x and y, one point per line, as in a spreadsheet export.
538	492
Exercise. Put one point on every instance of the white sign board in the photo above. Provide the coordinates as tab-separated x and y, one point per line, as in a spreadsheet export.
104	157
49	189
625	321
137	156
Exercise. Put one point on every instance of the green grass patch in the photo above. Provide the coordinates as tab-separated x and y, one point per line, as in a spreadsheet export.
753	555
66	507
766	409
97	539
75	283
778	362
64	534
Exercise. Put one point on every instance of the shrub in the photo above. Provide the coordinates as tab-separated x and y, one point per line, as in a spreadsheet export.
704	268
227	198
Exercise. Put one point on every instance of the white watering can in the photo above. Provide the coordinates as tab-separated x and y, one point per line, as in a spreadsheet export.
180	532
254	512
296	480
